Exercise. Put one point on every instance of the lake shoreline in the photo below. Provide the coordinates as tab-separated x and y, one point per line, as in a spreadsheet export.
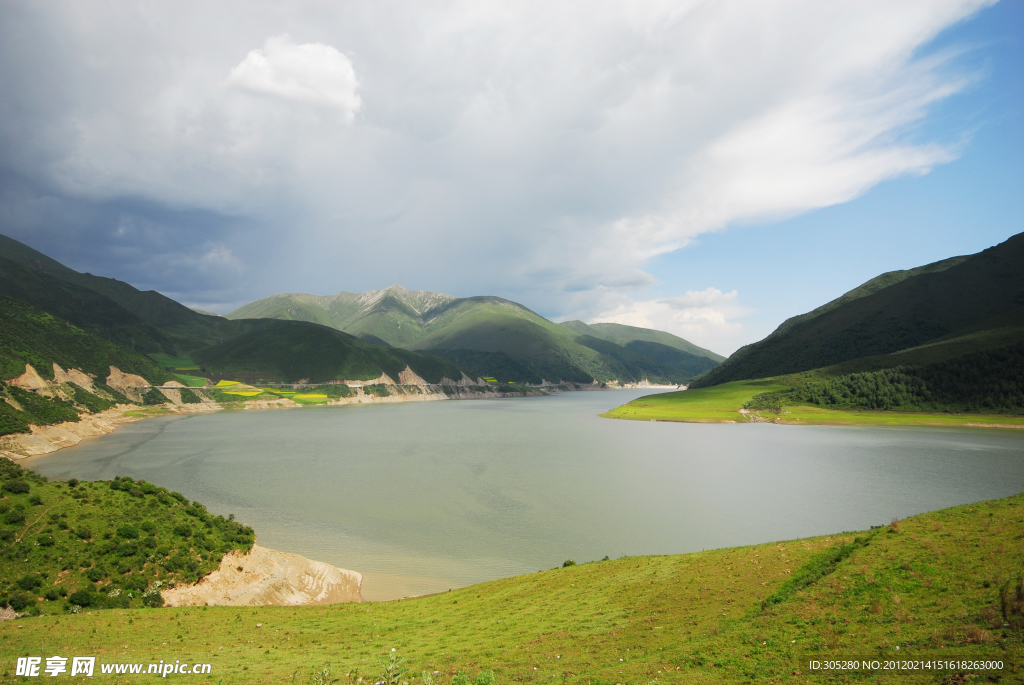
44	440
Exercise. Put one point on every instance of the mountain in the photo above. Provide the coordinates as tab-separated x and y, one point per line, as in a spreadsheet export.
290	351
493	336
31	336
928	314
659	346
181	327
395	315
81	306
264	348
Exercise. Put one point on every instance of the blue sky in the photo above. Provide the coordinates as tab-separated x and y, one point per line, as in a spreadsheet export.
781	269
602	161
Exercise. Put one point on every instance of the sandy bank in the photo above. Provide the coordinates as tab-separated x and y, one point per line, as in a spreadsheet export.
47	439
265	576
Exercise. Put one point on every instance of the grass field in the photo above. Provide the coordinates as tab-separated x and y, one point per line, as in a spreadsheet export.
191	381
181	362
722	404
928	585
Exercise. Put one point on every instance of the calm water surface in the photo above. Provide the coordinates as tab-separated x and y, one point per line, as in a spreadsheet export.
424	497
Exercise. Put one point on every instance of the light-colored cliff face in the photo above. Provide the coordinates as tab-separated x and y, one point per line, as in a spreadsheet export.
265	576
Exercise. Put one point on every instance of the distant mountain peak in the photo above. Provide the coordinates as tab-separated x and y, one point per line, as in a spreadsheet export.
419	301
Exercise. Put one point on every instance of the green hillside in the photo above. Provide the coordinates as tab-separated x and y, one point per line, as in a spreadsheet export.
395	315
624	335
554	352
31	336
289	351
81	306
977	301
942	585
511	341
658	346
70	546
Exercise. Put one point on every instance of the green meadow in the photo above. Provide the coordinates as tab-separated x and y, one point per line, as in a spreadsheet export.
722	404
179	362
939	585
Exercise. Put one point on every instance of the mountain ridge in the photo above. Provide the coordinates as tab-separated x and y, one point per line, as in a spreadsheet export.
894	313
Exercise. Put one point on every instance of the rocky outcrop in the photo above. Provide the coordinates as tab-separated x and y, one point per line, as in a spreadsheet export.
265	576
73	376
409	377
384	379
128	384
30	380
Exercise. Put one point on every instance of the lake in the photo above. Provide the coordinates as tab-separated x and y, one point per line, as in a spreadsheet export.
424	497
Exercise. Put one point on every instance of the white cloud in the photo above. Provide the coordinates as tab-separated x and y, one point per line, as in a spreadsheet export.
706	317
310	73
544	151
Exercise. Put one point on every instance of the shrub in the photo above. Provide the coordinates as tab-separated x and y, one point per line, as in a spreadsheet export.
30	582
96	574
14	517
1012	600
183	530
18	602
83	533
15	487
568	562
35	500
45	541
73	482
82	598
128	531
153	599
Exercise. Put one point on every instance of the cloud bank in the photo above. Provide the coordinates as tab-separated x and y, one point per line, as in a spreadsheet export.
540	151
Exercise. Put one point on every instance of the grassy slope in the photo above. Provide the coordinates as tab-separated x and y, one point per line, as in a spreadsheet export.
292	350
395	315
432	321
68	539
492	324
722	404
29	335
174	326
83	307
623	335
929	585
973	295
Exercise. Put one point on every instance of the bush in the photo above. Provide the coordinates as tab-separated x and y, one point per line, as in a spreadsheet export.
35	500
45	541
183	530
14	517
128	531
83	533
153	599
30	582
73	482
568	562
82	598
19	601
96	574
153	397
15	487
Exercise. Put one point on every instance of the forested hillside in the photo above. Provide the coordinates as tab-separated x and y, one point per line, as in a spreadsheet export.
979	299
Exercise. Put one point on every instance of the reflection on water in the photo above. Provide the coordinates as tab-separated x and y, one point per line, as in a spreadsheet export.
424	497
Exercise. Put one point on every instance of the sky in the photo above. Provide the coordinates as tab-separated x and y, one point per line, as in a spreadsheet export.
705	168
